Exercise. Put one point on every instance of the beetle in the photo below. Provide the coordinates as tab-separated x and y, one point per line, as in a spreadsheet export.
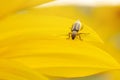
76	27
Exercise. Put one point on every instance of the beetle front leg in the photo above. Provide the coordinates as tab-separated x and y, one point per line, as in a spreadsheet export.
69	35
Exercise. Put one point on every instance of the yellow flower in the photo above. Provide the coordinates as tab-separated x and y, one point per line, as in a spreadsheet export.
39	42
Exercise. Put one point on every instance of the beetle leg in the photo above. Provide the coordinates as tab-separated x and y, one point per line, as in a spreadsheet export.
80	37
69	35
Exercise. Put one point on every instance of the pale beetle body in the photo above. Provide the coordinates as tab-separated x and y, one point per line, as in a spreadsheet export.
75	29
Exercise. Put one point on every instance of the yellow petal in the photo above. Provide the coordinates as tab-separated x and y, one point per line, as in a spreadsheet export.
10	70
9	6
57	27
32	3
